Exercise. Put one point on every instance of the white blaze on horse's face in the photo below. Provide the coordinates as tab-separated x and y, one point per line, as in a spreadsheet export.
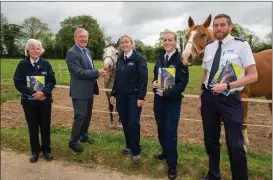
109	57
187	54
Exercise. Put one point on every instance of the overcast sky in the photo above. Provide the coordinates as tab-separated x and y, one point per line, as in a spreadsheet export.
143	20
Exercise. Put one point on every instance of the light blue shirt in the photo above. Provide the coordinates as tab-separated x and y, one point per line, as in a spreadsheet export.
89	58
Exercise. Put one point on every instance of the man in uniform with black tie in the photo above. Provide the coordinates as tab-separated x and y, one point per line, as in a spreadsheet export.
83	86
215	106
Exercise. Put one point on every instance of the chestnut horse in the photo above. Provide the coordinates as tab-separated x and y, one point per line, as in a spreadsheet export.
109	64
198	37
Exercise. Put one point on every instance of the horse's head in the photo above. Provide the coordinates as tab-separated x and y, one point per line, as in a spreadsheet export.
197	38
110	56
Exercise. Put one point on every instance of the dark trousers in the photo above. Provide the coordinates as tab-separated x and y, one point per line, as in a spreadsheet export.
229	109
167	115
82	117
129	114
38	116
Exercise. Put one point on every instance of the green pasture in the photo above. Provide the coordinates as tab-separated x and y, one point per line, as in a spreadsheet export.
8	67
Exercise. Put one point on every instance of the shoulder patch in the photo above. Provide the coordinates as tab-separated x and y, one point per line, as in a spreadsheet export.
239	39
210	42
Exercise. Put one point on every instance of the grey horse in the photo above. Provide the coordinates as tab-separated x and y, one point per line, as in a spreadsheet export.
111	52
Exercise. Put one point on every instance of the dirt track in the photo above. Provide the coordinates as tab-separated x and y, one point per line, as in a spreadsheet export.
190	129
15	166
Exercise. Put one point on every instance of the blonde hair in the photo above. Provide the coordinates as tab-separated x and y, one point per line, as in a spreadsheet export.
79	30
31	42
132	41
170	32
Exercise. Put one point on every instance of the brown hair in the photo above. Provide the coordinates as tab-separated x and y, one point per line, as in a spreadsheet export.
223	16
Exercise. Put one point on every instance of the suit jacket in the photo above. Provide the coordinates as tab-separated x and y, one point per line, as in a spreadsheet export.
83	80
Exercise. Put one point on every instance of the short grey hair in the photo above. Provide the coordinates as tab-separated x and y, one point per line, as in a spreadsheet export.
80	30
31	42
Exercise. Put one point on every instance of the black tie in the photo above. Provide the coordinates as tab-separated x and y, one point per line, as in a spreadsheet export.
36	67
166	60
215	64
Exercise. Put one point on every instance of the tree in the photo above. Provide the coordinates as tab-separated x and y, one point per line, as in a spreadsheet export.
65	36
33	27
268	38
148	52
49	44
4	21
11	39
139	46
181	36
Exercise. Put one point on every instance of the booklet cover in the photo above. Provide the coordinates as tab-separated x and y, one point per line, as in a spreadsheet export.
36	83
166	78
227	73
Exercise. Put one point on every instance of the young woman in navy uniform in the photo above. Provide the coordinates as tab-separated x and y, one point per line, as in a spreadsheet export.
167	103
130	89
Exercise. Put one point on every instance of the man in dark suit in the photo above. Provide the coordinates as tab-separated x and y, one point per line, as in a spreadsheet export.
83	86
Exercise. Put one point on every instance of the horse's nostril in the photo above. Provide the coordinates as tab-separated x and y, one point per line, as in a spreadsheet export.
190	58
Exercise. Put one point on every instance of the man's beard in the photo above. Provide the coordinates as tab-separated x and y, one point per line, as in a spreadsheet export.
222	36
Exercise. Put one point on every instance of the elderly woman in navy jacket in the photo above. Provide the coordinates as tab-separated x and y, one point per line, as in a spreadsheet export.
130	89
167	102
35	80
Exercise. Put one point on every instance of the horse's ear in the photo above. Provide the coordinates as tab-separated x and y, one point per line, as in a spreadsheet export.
207	22
117	44
190	22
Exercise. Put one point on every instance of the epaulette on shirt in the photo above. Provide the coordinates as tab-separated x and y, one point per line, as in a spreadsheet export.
210	42
239	39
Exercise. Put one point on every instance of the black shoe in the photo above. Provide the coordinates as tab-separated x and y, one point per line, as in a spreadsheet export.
126	151
34	157
76	147
48	156
90	141
172	174
160	156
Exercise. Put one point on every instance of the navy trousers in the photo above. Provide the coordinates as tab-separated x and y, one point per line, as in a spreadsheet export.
129	114
38	117
229	109
167	115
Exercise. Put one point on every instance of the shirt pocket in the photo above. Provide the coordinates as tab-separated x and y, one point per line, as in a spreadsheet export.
207	62
230	56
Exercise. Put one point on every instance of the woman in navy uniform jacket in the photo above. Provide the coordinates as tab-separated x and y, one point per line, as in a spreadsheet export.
36	97
130	89
167	103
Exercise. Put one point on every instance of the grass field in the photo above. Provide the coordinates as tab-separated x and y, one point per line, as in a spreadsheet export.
8	67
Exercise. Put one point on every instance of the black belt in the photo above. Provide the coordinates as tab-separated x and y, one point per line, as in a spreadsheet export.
215	93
